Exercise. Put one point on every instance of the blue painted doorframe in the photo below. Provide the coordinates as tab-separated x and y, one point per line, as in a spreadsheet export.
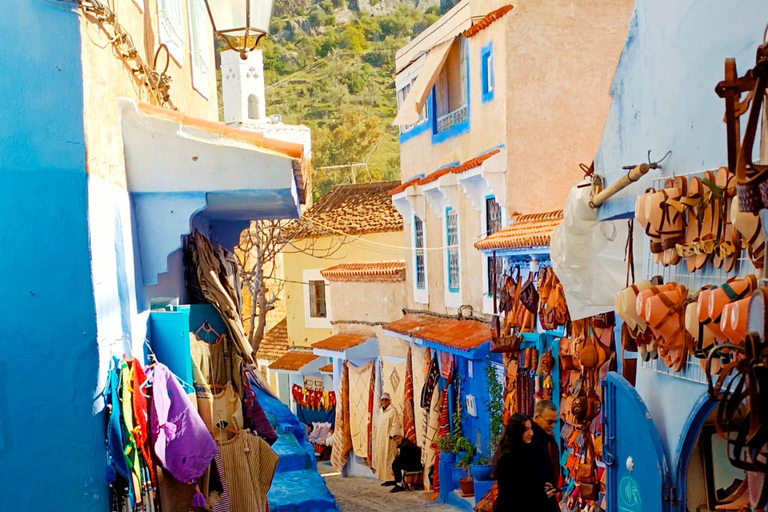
701	411
638	478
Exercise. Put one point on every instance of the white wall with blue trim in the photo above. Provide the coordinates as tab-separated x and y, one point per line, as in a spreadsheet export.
663	90
51	440
663	99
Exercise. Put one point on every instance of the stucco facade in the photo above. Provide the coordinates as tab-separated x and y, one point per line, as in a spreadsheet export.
549	96
303	266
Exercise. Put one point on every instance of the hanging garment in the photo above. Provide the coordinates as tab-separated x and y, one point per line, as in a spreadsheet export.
409	419
249	465
384	447
141	416
115	448
222	413
342	439
222	505
446	365
360	380
254	417
131	449
214	365
219	293
420	365
181	440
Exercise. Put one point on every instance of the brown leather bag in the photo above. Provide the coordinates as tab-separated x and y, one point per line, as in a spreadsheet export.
509	344
529	296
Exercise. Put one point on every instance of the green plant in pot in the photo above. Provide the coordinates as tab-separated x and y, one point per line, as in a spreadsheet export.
482	468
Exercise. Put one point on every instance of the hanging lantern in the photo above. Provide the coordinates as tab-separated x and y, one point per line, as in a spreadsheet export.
240	22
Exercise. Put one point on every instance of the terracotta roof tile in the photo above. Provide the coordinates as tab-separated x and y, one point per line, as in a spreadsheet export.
525	231
293	361
459	168
342	341
355	210
372	271
275	343
464	335
487	20
327	368
404	186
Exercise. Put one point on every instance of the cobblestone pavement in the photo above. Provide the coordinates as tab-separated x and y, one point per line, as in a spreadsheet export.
367	495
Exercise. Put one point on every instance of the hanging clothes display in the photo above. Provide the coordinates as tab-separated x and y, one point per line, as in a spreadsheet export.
248	465
420	365
409	420
342	439
360	385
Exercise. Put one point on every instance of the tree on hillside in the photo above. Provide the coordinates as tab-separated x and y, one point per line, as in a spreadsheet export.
350	141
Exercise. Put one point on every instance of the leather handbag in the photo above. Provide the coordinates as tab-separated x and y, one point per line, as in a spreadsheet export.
529	296
509	344
604	320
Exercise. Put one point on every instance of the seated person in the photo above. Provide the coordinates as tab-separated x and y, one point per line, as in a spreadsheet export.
408	459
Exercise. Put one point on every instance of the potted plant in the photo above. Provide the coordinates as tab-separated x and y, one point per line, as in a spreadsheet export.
481	468
465	452
447	447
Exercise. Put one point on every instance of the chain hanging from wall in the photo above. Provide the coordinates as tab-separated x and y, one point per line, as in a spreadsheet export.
157	83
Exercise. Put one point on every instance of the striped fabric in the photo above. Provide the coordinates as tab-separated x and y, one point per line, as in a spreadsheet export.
249	465
223	504
342	439
409	419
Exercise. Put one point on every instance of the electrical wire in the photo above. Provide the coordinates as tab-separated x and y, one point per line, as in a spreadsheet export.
359	238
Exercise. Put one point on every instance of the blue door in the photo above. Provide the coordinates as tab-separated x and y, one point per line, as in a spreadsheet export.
637	472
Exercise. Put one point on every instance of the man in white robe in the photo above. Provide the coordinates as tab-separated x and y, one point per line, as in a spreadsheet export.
388	425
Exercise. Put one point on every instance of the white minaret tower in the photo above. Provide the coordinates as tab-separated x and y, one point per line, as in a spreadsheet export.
242	83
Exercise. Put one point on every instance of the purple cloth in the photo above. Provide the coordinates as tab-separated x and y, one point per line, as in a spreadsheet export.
182	441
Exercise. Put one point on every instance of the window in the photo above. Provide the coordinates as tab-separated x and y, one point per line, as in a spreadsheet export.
317	299
492	215
401	95
452	239
200	46
418	234
451	89
486	56
171	27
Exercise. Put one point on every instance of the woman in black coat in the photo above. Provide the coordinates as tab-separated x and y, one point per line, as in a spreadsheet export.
516	472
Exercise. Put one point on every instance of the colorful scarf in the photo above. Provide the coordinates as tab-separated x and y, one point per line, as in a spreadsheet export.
342	439
115	449
141	416
409	418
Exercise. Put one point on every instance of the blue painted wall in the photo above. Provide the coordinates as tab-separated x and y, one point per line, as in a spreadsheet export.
50	438
663	88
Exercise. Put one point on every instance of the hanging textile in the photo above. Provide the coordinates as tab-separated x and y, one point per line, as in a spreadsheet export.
443	429
254	416
446	365
141	416
420	365
218	292
409	419
222	413
117	466
309	416
342	439
181	440
429	450
131	448
393	382
376	405
360	386
313	399
214	365
249	466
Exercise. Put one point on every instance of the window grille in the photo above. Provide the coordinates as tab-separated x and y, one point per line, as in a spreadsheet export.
452	223
418	227
171	27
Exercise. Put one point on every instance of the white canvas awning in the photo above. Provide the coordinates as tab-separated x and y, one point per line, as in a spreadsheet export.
417	97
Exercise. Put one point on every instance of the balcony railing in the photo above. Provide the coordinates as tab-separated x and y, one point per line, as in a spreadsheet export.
452	119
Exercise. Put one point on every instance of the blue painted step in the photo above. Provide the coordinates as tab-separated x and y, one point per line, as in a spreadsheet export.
297	486
300	491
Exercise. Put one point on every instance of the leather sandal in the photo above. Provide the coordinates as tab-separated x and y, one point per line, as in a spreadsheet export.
719	296
750	227
695	202
626	306
734	320
663	312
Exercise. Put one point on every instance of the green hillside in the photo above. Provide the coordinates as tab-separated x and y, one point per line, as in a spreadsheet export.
329	64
